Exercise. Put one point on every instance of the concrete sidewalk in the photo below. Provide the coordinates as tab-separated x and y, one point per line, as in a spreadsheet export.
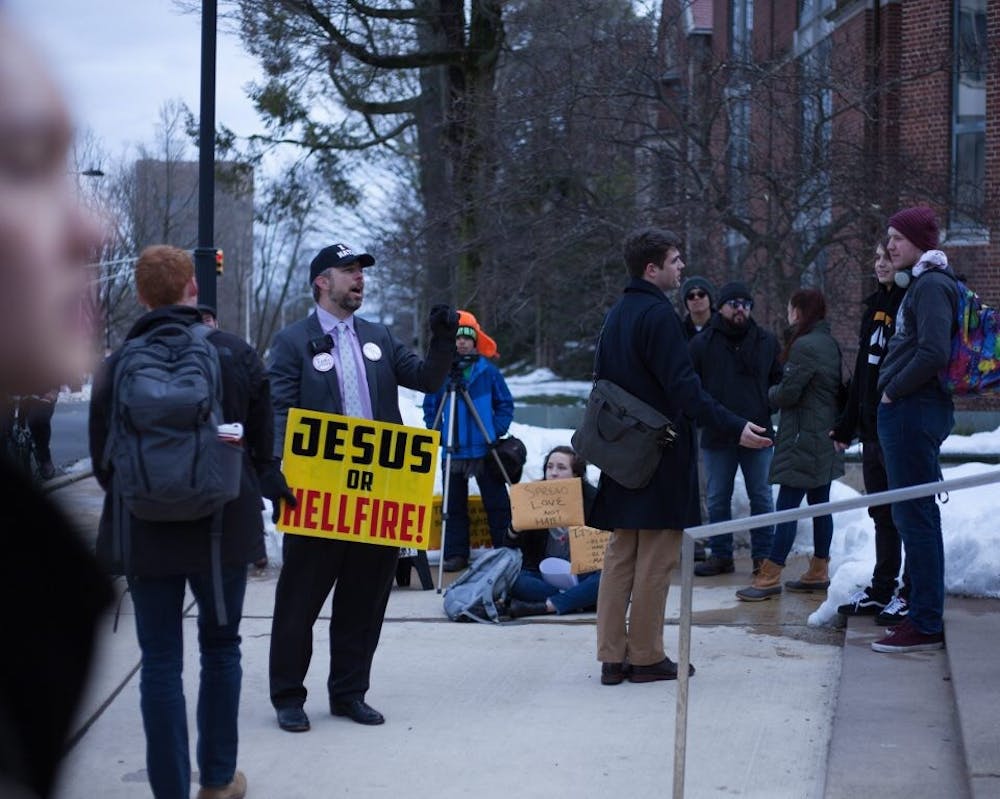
777	709
494	711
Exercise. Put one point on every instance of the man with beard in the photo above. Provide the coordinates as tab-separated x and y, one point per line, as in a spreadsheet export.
737	361
336	362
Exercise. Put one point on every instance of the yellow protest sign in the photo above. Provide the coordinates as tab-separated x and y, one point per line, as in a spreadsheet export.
586	549
479	526
546	503
359	480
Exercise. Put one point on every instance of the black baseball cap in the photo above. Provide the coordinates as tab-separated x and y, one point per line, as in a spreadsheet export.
336	255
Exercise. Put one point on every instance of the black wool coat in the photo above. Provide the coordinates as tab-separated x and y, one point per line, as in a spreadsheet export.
737	367
164	549
643	349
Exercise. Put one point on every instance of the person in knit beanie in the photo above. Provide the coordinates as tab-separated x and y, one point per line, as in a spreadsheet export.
914	417
697	294
919	225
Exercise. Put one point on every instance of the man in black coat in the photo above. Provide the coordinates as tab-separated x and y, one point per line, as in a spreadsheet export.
737	361
161	559
337	362
642	348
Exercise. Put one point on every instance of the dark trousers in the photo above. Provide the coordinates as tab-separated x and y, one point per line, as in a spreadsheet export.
496	503
888	544
159	623
911	431
360	576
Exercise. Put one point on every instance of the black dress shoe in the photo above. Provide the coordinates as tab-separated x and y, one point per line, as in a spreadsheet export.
357	710
293	719
517	609
613	673
455	564
666	669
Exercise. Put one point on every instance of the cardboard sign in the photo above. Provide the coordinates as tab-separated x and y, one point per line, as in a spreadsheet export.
479	527
586	549
546	503
359	480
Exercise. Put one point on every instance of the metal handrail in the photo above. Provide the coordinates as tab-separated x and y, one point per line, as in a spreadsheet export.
766	519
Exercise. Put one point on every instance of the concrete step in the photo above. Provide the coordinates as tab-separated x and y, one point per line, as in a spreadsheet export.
972	627
895	729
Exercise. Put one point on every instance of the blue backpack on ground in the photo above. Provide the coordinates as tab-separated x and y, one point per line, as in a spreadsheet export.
473	596
974	365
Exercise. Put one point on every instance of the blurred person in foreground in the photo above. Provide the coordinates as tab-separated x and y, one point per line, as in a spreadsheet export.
55	592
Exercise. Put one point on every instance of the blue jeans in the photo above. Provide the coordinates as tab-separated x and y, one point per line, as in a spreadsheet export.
530	586
720	470
784	535
911	431
159	609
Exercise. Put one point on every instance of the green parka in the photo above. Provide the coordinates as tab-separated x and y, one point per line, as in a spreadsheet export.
804	453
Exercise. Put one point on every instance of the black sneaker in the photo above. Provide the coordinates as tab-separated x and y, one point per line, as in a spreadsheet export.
714	566
699	551
895	613
861	603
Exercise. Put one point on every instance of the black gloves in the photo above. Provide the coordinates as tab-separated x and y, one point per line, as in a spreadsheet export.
274	487
443	322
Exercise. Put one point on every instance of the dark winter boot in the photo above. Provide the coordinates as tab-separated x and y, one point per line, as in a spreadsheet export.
816	577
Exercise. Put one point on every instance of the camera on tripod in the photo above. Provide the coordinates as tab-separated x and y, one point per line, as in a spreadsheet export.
460	363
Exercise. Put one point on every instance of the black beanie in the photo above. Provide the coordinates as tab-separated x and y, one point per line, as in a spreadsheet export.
734	291
698	282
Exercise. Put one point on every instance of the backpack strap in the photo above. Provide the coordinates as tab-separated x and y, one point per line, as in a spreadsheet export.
216	566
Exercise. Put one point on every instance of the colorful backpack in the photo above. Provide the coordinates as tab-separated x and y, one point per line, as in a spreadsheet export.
974	365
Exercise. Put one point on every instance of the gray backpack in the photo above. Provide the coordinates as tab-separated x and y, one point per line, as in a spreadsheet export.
473	596
163	446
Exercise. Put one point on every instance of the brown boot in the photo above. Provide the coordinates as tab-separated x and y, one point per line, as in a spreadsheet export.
816	577
766	584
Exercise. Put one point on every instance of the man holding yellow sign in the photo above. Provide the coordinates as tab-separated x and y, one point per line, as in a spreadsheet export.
357	491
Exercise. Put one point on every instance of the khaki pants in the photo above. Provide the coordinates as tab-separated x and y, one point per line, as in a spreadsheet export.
637	565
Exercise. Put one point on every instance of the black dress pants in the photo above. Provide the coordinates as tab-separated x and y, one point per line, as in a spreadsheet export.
361	577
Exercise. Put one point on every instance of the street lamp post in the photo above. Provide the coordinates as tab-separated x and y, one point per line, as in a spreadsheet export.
204	254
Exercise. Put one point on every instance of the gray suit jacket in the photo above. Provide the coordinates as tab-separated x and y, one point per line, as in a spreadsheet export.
295	383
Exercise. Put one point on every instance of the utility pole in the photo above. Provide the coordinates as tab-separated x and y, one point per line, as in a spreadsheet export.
204	254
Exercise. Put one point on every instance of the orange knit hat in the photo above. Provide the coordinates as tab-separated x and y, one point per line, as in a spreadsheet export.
484	344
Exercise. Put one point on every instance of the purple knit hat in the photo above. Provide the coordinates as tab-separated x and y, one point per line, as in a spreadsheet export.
919	225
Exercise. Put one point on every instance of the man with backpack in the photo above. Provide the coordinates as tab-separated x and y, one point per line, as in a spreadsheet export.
336	362
915	415
183	508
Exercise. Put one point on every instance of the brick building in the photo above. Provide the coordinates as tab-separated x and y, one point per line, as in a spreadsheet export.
790	130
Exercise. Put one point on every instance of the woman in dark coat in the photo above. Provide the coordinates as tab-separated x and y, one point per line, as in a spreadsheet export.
531	594
805	461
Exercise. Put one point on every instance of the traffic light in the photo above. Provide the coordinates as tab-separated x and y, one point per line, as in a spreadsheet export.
219	262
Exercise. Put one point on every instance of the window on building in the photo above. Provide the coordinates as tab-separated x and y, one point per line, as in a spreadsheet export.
968	126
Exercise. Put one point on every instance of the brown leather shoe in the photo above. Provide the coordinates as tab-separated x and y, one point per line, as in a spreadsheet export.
666	669
236	789
613	673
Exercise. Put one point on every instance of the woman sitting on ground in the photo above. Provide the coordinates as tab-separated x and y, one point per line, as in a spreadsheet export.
531	594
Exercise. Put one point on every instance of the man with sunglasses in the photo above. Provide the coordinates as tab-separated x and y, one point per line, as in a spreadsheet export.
737	361
698	305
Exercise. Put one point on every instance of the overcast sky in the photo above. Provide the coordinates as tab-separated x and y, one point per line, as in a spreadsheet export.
120	60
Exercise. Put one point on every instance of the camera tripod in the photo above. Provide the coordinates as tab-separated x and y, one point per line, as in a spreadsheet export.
456	387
